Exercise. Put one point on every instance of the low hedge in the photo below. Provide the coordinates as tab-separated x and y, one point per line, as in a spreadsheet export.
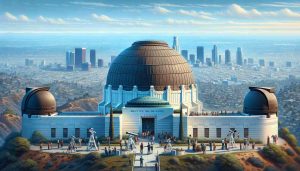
275	153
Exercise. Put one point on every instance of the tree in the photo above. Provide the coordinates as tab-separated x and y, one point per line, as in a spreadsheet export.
37	137
111	123
181	123
18	146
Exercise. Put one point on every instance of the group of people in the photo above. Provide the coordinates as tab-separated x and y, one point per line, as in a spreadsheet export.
149	148
274	139
110	152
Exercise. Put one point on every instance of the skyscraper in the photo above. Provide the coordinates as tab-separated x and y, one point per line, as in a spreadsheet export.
93	57
214	55
192	59
220	59
100	63
80	55
70	58
239	56
261	62
200	54
176	44
185	54
227	57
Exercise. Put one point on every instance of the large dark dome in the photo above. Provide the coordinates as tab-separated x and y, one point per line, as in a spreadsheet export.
148	63
260	101
38	101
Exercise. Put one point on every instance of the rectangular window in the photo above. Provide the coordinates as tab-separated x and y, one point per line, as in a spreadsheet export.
53	132
219	133
246	132
206	132
195	132
77	132
65	132
88	133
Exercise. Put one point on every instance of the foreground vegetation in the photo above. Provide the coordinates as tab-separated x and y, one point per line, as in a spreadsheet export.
16	155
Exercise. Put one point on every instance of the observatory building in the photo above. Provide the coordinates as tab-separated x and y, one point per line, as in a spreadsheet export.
148	86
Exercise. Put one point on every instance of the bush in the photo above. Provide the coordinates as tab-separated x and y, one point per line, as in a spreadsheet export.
291	168
297	159
255	161
100	165
275	153
174	160
92	156
283	132
38	137
291	139
228	162
195	159
18	146
289	152
297	149
28	165
270	168
6	158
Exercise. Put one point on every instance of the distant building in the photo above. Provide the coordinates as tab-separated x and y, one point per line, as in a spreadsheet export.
261	62
239	56
176	44
70	68
185	54
208	62
85	66
214	55
29	62
100	63
192	59
93	57
227	57
288	64
70	58
112	58
271	64
80	56
250	61
220	59
245	61
200	54
43	63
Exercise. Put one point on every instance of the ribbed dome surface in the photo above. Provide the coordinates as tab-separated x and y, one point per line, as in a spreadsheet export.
260	101
38	101
148	63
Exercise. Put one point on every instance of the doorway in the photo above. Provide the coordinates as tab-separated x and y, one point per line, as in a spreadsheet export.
148	125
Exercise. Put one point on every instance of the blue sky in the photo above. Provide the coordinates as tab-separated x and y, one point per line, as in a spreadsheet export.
155	17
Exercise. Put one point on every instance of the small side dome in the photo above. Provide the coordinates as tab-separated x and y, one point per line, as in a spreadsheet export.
38	101
260	101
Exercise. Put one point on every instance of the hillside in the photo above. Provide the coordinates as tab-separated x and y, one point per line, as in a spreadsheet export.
87	104
9	123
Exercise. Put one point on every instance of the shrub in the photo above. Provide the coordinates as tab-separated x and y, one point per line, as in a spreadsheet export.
6	158
297	159
283	132
270	168
100	165
291	139
194	159
92	156
18	146
28	165
275	153
228	162
174	160
297	149
255	161
37	137
291	168
289	152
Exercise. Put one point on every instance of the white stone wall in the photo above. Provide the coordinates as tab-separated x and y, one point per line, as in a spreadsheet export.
260	127
189	97
132	119
44	124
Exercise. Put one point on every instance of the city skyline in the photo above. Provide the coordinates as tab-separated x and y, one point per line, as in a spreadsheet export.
172	17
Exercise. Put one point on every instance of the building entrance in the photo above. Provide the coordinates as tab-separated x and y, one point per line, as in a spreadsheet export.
148	125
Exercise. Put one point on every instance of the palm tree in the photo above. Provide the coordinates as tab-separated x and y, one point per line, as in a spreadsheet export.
111	123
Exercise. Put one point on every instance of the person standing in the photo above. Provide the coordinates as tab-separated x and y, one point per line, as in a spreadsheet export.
222	144
141	161
189	143
214	144
41	147
149	148
58	144
210	145
268	140
142	147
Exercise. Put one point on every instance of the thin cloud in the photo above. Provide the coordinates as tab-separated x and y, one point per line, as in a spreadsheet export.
282	4
23	18
51	20
10	16
200	14
97	4
161	10
102	17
